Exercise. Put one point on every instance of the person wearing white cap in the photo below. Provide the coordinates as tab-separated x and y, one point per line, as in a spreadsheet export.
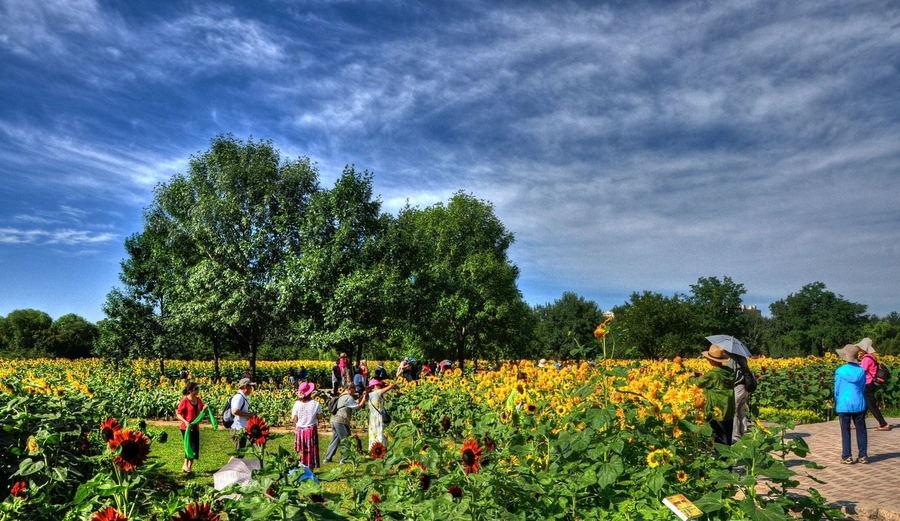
870	365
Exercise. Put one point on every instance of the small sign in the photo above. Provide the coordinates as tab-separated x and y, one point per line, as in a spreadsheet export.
682	507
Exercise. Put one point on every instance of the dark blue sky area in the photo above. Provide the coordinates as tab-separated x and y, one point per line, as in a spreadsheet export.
632	146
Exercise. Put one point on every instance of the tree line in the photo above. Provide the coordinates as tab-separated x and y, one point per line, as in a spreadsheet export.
247	255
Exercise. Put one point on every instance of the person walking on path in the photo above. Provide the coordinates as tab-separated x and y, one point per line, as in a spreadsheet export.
377	411
869	364
340	420
188	409
718	387
850	403
240	409
744	385
305	416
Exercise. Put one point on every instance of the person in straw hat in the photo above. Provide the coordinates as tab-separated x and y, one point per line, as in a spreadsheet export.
869	364
305	416
718	387
850	403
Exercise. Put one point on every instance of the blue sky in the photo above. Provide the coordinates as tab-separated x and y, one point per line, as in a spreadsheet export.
630	146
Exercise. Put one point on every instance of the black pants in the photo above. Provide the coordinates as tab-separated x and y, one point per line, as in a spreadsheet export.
722	430
193	440
240	441
862	437
873	405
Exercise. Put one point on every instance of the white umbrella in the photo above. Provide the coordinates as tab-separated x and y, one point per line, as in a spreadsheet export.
730	344
237	470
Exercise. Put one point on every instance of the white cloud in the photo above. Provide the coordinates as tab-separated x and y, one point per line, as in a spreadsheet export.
62	236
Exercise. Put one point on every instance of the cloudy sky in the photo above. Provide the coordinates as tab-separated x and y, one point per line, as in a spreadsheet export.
632	146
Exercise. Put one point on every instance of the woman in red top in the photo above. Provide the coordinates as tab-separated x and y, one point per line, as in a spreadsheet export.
189	408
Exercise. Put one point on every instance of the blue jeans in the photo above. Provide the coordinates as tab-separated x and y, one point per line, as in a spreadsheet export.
862	438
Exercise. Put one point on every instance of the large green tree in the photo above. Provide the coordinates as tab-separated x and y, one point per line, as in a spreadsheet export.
718	306
652	325
225	228
885	333
814	320
25	331
341	288
565	328
70	336
464	300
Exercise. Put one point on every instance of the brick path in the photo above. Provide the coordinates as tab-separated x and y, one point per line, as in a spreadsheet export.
865	491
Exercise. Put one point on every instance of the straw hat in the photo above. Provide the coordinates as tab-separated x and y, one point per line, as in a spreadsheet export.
848	352
866	345
716	354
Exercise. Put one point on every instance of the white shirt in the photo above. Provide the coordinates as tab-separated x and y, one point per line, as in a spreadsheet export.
306	413
239	402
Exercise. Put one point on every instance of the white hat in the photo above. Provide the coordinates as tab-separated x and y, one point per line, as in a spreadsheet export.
866	345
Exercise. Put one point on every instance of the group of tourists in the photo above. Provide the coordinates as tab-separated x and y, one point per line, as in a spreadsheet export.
728	387
730	383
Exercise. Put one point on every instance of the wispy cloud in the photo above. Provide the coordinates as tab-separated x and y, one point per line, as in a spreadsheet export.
64	236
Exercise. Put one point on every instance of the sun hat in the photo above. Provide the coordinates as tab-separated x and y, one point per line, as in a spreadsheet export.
375	382
244	382
716	354
865	345
305	389
542	362
848	352
343	355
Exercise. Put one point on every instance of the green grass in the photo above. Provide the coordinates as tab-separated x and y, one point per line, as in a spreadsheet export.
216	447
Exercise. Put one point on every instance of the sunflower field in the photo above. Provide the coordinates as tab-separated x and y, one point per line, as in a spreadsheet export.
603	440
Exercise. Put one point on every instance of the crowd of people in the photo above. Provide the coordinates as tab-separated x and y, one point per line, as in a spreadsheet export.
728	387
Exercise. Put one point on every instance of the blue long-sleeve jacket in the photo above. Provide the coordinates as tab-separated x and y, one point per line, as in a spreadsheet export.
849	388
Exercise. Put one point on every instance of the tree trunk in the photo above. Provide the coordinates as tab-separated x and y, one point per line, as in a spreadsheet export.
253	348
216	354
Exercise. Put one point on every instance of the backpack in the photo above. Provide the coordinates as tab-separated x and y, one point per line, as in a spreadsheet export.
882	375
332	404
746	376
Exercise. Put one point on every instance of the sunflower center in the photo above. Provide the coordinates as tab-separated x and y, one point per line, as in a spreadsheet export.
468	457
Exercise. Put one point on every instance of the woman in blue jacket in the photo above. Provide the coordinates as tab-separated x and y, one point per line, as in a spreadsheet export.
850	403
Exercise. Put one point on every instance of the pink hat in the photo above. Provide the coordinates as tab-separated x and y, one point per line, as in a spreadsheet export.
305	389
375	383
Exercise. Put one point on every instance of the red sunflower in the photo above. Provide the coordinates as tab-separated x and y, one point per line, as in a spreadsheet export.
375	498
108	514
109	428
18	489
196	512
378	450
471	456
132	449
257	430
456	491
415	466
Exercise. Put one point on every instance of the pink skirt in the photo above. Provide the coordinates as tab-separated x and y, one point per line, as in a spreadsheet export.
306	443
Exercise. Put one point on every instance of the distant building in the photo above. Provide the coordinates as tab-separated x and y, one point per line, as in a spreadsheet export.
751	309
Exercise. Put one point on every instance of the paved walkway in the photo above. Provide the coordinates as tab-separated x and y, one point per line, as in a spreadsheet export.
864	491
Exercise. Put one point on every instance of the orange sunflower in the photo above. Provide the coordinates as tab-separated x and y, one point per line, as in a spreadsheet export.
415	466
131	447
108	514
471	456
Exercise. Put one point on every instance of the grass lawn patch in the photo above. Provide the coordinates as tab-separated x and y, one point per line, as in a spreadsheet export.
216	447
